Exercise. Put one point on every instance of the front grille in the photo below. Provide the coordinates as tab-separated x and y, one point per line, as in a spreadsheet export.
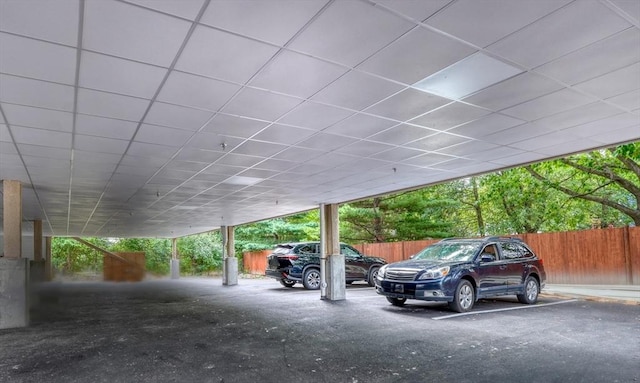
401	274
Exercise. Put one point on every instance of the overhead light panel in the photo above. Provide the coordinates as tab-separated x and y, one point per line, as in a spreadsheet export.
240	180
467	76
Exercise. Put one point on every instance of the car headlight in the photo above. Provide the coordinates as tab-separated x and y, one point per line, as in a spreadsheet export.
381	272
436	273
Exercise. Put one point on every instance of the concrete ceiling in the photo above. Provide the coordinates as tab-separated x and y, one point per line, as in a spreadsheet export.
170	117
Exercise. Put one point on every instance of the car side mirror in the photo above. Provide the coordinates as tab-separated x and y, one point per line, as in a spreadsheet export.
486	257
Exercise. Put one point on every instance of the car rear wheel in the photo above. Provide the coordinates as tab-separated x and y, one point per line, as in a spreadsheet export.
397	301
287	283
373	273
463	298
531	291
311	280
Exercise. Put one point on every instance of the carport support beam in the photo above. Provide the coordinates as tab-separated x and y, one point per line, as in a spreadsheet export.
175	261
332	267
14	270
230	265
38	263
48	267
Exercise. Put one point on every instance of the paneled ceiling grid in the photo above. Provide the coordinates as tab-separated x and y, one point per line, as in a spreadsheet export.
182	116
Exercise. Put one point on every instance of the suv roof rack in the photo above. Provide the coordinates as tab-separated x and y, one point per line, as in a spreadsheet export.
489	238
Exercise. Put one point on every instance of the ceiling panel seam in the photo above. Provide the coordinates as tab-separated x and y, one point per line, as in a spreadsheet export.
260	70
146	112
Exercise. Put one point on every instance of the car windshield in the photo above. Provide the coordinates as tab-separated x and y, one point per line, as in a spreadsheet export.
449	251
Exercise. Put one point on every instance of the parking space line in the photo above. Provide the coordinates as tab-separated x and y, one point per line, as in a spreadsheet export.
505	309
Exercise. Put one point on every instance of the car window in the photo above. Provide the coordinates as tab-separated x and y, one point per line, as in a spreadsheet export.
348	250
490	250
307	249
511	250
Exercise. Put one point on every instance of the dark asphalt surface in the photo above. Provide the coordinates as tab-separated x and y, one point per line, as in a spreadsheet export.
196	330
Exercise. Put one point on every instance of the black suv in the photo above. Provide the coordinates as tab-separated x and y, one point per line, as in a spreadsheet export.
291	263
461	271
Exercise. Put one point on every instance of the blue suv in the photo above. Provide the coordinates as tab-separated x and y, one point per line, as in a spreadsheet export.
461	271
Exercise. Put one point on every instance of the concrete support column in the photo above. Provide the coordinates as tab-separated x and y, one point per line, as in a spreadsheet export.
230	265
12	218
37	240
37	264
14	270
48	266
332	266
175	261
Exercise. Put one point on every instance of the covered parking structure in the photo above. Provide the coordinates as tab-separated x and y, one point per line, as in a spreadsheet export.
136	118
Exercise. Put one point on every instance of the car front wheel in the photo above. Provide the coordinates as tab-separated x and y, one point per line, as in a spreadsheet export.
463	298
287	283
397	301
531	291
311	280
373	273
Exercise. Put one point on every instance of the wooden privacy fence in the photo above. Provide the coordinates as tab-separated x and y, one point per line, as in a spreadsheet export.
129	267
599	256
255	262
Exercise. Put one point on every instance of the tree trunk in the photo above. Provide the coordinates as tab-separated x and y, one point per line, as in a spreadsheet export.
378	231
477	208
634	190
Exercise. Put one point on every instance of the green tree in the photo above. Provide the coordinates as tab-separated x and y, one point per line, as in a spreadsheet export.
608	179
157	252
200	253
466	205
264	234
518	203
69	255
404	216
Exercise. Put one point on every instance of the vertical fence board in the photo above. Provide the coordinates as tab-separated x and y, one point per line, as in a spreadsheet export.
255	262
634	254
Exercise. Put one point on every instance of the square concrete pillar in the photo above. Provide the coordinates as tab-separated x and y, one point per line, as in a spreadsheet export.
336	282
175	262
230	271
14	292
175	269
37	271
230	265
37	240
48	266
12	218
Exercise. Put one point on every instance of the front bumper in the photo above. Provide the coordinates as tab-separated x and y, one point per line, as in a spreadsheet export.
425	291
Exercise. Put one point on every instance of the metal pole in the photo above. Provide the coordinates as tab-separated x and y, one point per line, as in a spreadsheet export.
323	252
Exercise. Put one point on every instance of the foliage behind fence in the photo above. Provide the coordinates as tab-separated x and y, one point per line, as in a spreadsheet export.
599	256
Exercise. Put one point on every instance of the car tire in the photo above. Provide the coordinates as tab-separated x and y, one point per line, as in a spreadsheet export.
397	301
287	283
372	276
463	298
311	279
531	291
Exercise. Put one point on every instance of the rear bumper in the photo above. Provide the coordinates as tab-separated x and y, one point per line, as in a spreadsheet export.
281	274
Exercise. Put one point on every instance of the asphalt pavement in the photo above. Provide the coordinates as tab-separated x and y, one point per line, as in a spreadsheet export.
196	330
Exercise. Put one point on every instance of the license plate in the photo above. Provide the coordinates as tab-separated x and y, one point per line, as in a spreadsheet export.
398	288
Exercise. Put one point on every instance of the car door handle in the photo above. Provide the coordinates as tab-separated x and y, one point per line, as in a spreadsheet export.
503	267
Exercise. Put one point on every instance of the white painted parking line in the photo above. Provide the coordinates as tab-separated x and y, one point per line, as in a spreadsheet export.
506	309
